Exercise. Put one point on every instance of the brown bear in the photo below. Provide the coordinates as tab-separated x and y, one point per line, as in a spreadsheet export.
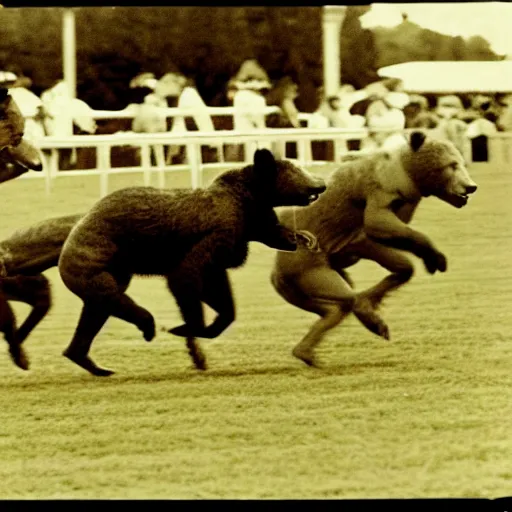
365	212
191	237
23	257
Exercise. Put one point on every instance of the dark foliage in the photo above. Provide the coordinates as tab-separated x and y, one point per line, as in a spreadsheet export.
209	44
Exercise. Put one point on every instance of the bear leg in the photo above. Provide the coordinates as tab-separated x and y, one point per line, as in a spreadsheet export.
34	291
319	290
92	319
217	294
368	301
8	327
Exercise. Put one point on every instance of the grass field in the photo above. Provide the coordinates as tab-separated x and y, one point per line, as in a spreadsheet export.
425	415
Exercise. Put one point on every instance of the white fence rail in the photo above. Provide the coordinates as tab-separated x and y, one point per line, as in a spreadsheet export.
193	141
187	112
500	150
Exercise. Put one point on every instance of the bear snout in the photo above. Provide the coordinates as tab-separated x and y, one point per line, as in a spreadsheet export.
470	189
318	186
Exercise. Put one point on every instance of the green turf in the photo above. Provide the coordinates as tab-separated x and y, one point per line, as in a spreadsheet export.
425	415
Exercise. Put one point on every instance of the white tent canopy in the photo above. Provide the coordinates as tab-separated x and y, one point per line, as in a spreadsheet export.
456	76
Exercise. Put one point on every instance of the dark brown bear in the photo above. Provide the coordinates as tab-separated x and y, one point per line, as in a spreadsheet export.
23	257
17	156
191	237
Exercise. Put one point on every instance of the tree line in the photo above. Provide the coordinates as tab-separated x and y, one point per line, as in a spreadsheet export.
209	44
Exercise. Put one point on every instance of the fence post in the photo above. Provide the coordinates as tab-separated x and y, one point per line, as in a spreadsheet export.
339	144
160	163
303	155
145	162
194	161
104	158
51	163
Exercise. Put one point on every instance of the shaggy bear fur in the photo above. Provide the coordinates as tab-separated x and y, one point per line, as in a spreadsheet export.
23	257
190	237
365	212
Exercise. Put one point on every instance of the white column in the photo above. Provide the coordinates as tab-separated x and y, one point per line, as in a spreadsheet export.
332	18
69	50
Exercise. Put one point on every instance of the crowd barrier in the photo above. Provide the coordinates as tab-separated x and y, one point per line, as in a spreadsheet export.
128	113
275	139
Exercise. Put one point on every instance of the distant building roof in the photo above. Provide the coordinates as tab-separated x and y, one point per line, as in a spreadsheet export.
452	76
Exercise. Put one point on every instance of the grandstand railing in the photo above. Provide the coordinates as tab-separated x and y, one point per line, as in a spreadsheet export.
127	113
193	141
500	150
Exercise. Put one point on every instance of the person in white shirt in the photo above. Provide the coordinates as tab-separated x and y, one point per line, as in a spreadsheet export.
198	120
249	99
386	123
65	116
31	106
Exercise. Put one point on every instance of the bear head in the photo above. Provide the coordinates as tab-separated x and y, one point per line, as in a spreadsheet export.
283	183
438	169
24	154
272	182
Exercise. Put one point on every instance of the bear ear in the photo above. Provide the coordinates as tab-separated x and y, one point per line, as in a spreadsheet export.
263	158
416	141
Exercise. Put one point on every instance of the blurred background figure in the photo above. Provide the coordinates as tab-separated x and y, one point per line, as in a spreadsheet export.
30	105
140	86
144	79
56	101
386	121
151	115
66	116
7	79
417	114
199	120
451	127
251	88
251	70
504	121
333	112
283	95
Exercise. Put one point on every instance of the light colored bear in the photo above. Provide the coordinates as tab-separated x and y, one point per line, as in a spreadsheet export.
365	214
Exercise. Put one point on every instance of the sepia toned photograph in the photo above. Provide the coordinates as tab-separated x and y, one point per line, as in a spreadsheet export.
256	252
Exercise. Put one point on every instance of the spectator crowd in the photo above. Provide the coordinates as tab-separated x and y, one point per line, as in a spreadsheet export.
383	107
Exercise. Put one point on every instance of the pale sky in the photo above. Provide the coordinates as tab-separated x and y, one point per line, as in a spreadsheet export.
492	20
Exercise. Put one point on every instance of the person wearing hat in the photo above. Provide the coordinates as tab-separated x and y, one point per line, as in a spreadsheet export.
386	123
